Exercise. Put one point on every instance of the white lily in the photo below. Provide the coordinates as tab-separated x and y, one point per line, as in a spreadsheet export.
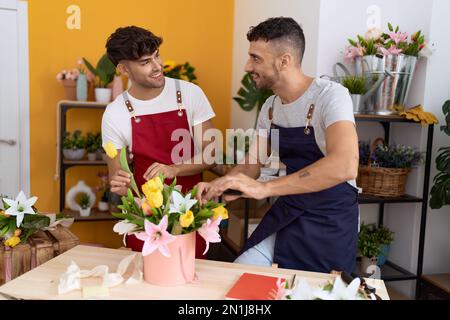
341	291
124	227
20	207
181	204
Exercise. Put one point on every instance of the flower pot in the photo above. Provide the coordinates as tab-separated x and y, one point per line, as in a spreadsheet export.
103	206
74	154
394	90
368	264
70	88
92	156
85	212
82	89
383	255
177	270
99	153
358	107
103	95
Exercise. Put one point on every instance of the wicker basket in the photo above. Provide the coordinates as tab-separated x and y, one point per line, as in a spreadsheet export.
379	181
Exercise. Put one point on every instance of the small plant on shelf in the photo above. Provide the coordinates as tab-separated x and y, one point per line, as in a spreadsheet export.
84	201
74	145
355	84
93	143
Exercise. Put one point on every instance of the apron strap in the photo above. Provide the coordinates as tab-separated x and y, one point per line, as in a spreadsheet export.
129	106
179	97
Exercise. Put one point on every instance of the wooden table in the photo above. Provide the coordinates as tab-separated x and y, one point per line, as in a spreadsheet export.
215	278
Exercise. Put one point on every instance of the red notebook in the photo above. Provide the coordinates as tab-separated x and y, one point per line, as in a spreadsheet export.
252	286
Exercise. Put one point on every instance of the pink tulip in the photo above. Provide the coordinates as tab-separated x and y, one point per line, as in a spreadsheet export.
210	232
156	237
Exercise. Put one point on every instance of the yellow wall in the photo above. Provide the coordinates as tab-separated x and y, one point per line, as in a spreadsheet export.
198	31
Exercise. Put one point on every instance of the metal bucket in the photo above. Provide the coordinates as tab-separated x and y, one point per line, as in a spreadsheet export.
394	90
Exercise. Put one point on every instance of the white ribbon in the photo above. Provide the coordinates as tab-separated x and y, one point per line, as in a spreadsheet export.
71	279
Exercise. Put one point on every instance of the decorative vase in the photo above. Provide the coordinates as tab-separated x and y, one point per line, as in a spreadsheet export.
117	87
177	270
92	156
82	89
103	206
74	154
70	87
383	255
71	195
368	264
85	212
103	95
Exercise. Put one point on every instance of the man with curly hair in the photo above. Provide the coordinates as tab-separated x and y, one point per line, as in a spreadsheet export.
313	225
147	117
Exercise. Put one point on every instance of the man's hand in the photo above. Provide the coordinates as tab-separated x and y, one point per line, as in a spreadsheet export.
249	187
120	182
156	168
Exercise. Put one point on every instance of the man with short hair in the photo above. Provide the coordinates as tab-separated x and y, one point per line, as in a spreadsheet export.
145	117
313	225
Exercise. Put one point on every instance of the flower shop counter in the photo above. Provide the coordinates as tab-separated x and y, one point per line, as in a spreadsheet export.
214	278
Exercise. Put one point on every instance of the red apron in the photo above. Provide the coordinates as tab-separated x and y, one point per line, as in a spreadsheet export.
151	137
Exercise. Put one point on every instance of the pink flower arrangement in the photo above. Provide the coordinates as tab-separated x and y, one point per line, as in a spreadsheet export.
394	42
74	73
161	212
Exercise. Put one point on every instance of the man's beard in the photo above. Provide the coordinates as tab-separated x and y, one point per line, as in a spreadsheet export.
265	82
152	84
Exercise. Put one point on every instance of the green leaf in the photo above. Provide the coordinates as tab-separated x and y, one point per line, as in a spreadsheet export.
124	166
390	27
90	67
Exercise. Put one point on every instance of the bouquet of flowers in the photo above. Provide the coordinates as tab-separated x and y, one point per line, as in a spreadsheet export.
386	43
163	211
395	156
179	71
19	219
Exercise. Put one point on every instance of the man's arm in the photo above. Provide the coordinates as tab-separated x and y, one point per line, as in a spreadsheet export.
339	165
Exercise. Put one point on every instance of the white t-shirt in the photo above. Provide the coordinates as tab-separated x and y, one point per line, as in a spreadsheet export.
116	123
332	104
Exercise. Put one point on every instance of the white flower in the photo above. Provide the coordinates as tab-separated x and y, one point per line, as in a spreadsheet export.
20	207
181	204
124	227
373	34
302	291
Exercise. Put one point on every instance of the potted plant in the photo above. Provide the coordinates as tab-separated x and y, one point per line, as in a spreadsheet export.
85	204
69	80
356	85
74	145
440	192
92	145
387	170
104	74
373	245
389	51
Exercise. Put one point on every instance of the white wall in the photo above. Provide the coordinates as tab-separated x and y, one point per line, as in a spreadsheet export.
249	13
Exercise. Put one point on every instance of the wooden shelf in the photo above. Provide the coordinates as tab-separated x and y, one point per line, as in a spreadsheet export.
389	272
81	104
380	118
96	215
367	199
84	163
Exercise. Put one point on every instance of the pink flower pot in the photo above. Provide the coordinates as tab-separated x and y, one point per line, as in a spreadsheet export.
177	270
70	87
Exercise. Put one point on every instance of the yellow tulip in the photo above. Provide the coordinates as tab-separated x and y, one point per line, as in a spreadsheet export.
220	212
12	241
155	199
17	233
152	185
186	219
110	150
